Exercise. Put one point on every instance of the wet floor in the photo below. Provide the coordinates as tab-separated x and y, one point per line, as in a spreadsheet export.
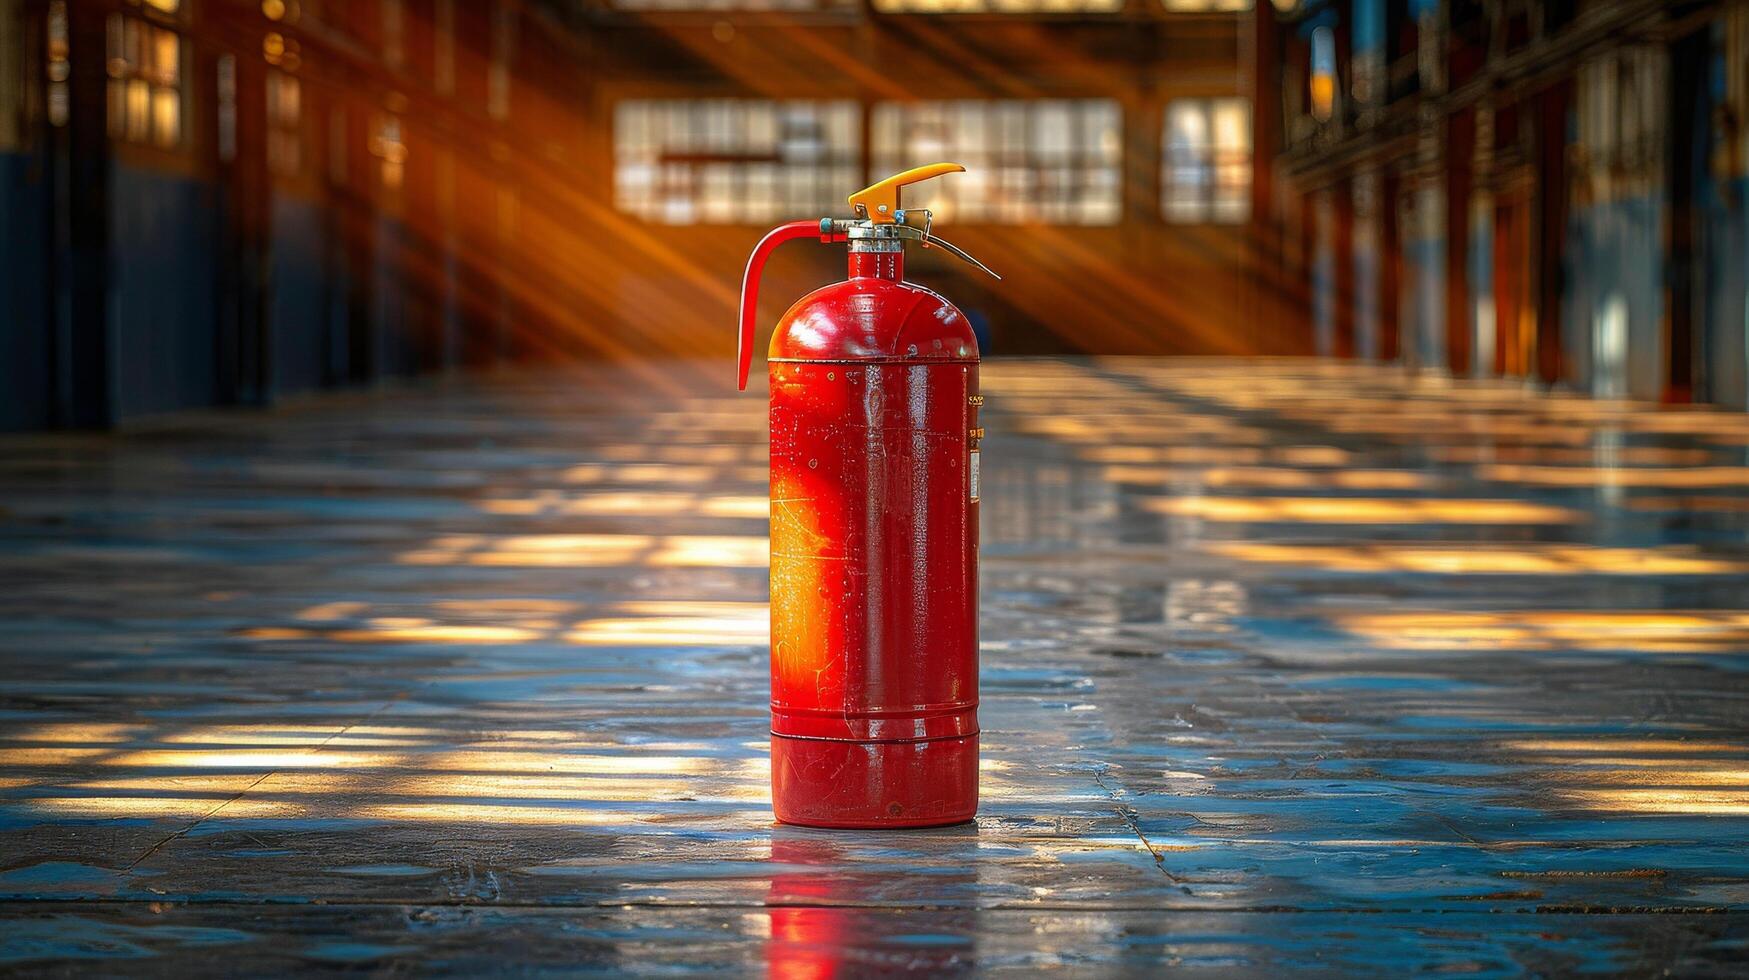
1285	665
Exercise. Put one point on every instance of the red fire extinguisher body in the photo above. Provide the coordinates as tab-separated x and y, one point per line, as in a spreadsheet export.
874	528
874	536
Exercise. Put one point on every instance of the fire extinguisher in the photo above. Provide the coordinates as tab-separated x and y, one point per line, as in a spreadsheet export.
874	530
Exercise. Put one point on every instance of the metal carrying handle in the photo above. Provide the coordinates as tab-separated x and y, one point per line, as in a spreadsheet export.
930	240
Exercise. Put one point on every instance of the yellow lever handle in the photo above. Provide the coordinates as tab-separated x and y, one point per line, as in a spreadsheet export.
880	201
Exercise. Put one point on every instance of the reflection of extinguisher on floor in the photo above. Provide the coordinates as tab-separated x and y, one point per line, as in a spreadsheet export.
874	531
830	919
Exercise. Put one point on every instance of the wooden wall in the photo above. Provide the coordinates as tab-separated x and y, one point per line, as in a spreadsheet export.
450	200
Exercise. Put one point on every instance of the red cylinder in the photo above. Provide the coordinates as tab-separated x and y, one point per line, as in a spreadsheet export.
874	537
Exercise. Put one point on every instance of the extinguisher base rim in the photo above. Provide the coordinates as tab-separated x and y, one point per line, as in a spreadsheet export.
913	359
877	741
873	785
877	824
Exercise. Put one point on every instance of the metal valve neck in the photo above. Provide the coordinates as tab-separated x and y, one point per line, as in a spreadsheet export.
868	264
876	251
868	237
864	235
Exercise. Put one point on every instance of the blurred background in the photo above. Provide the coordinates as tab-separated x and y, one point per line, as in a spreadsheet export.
208	202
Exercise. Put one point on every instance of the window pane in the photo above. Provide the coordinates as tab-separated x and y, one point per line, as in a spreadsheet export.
166	57
139	98
1045	160
1205	163
1232	132
735	4
166	117
285	131
1205	6
998	6
723	161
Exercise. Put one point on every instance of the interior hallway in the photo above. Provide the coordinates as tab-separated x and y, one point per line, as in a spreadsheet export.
1285	663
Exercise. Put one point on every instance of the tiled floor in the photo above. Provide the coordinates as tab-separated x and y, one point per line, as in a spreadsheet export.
1285	664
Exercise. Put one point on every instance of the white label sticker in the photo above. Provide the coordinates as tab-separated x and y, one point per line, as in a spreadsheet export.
974	472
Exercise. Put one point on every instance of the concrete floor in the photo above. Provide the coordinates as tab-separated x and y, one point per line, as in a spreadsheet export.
1285	665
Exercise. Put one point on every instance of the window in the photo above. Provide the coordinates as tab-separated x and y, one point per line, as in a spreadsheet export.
57	68
145	79
11	79
1322	84
721	161
226	76
443	48
1366	66
390	152
1205	6
498	75
285	142
727	5
998	6
1619	119
1045	160
284	103
1205	171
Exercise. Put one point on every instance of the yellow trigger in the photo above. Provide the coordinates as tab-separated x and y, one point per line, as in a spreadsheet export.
880	201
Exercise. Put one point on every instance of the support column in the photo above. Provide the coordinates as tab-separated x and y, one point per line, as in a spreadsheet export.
1686	168
80	158
1272	309
1321	266
1483	322
26	328
245	329
1460	131
1390	267
1549	237
1342	243
1367	264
